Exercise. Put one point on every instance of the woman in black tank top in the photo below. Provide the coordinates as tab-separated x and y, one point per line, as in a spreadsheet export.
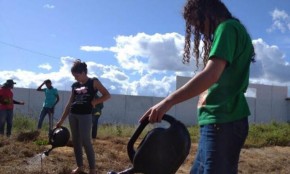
79	109
83	95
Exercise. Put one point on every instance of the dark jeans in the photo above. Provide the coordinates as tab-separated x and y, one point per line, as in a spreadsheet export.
42	115
95	120
6	116
219	147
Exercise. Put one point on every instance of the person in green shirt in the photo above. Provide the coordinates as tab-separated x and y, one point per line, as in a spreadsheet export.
51	99
227	52
96	114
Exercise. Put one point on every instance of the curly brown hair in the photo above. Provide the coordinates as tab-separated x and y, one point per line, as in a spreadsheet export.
79	67
195	13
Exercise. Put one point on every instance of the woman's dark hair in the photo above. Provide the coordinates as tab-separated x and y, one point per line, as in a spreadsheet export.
79	67
7	85
195	13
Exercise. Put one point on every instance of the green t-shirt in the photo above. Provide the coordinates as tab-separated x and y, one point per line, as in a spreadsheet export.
225	101
50	97
97	110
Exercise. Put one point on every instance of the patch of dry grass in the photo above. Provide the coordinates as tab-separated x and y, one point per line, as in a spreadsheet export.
21	154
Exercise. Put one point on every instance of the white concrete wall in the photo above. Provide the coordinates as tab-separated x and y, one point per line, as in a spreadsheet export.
269	105
288	109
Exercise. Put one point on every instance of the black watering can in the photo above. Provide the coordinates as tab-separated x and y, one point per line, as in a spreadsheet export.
58	138
162	151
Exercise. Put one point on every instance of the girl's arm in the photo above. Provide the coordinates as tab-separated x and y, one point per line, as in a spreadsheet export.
66	110
196	85
105	93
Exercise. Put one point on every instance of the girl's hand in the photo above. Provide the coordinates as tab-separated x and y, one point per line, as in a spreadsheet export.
156	112
94	103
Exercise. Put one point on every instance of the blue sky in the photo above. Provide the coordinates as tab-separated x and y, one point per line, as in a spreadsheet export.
134	47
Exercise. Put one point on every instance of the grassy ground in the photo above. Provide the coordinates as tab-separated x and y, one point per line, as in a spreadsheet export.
267	150
260	135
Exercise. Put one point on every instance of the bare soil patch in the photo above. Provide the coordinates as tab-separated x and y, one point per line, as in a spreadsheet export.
21	157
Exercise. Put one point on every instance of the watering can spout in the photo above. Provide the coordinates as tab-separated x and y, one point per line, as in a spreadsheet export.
46	153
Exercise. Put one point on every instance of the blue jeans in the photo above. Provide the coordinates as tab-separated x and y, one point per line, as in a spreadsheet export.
219	147
43	113
95	120
6	116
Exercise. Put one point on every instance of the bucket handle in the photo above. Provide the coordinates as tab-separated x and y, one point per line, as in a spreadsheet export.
130	147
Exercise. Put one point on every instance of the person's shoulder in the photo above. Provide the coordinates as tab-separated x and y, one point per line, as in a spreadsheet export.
228	23
228	26
231	23
55	89
94	78
75	84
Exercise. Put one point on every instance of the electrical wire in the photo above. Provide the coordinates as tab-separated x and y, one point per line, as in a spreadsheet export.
28	50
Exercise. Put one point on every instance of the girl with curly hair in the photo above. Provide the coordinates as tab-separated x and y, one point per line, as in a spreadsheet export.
226	52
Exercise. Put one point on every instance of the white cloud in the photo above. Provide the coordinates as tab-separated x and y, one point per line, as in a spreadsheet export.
46	66
281	21
148	65
49	6
158	55
93	48
150	85
150	52
28	79
109	72
144	52
271	66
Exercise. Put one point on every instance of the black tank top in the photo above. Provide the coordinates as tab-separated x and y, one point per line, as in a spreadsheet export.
84	93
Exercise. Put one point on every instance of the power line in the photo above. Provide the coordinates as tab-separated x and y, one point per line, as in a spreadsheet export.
28	50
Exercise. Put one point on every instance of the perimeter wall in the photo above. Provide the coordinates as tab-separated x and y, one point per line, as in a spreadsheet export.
268	104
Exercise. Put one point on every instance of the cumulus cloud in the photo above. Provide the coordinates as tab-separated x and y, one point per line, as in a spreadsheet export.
156	55
148	65
271	66
281	21
113	73
151	52
46	66
150	85
29	79
143	52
